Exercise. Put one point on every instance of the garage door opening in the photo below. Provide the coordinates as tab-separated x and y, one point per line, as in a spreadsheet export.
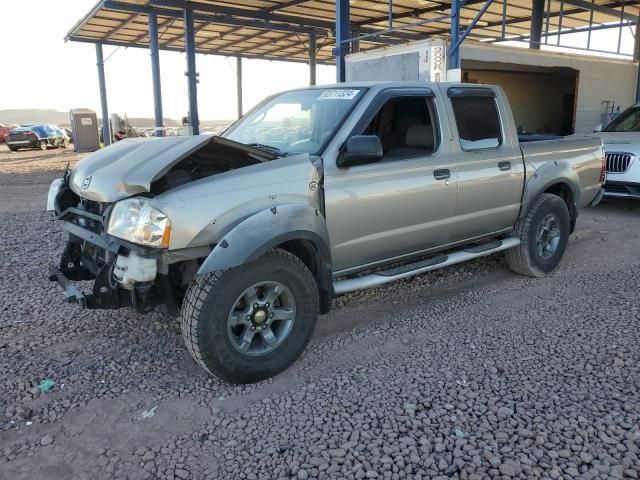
543	99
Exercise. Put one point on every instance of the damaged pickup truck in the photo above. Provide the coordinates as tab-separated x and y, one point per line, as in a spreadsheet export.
314	193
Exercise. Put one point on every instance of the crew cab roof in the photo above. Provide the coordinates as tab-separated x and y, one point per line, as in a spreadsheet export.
381	85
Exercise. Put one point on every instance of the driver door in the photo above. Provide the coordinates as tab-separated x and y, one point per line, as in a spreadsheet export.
401	205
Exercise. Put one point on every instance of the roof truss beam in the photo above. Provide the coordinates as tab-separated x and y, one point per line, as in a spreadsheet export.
266	16
604	9
282	6
221	37
124	24
173	38
219	18
164	23
175	49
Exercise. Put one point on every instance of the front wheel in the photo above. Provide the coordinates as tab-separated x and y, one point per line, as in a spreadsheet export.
251	322
544	234
43	145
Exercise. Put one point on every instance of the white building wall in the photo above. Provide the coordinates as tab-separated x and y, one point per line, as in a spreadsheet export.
599	78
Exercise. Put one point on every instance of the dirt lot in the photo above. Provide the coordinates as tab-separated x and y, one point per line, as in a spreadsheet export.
472	372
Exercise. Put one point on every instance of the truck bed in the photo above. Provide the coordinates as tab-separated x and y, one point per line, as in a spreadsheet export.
576	157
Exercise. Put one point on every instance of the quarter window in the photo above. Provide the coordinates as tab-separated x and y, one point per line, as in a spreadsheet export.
478	122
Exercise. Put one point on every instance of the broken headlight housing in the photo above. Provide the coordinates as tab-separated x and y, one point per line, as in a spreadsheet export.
136	221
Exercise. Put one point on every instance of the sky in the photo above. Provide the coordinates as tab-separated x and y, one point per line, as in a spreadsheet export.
64	75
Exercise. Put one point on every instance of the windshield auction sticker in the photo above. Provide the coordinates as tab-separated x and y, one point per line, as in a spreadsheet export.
337	94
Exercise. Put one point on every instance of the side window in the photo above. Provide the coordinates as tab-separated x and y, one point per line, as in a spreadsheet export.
478	122
406	127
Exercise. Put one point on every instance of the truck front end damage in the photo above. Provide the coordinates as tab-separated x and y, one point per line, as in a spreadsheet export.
141	235
124	274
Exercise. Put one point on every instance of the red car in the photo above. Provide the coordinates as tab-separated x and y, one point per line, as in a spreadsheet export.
4	130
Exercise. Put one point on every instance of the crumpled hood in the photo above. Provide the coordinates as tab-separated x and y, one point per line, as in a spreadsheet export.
129	167
627	142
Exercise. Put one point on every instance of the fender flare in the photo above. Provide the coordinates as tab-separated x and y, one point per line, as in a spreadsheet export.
264	230
546	176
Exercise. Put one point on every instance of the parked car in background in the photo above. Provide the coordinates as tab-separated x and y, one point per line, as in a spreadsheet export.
4	131
621	138
37	136
69	133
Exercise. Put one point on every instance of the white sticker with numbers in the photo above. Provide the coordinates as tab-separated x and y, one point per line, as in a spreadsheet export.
338	94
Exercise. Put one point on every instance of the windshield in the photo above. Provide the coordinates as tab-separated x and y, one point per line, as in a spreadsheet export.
300	121
627	121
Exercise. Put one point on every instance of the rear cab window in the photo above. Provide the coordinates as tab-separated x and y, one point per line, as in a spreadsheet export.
477	118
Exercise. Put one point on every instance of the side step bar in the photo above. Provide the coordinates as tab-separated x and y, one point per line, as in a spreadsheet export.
422	266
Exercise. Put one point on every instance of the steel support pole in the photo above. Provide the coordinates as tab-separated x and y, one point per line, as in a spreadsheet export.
537	19
106	131
355	43
636	58
239	84
342	37
453	70
192	75
636	42
312	58
155	74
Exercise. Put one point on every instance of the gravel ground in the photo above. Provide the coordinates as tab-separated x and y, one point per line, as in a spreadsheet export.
471	372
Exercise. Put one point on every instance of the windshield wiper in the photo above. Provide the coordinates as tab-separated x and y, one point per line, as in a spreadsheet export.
268	148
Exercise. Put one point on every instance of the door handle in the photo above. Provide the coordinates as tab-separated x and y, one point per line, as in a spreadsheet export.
504	166
442	174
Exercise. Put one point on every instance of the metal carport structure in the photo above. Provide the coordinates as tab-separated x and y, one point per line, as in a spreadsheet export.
324	31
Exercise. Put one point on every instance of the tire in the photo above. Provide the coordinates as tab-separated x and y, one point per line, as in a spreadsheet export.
13	149
531	258
43	145
208	309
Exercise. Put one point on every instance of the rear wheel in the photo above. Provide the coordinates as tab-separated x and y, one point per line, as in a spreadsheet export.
251	322
544	234
13	149
43	144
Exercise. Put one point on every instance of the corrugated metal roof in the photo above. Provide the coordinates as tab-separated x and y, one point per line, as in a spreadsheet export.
279	29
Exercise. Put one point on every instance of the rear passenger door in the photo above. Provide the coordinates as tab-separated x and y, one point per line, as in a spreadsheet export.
489	164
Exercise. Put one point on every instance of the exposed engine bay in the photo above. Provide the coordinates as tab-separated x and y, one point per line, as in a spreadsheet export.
217	156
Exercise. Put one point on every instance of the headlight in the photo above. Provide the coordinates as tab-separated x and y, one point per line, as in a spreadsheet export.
135	220
55	187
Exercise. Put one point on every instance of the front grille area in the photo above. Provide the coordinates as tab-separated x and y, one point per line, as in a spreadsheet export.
618	162
613	188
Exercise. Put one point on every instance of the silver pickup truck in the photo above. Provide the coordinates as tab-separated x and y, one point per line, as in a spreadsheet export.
314	193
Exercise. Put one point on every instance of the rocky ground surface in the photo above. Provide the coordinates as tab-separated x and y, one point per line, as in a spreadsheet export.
471	372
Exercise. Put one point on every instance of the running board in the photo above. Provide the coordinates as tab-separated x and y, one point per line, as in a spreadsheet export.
422	266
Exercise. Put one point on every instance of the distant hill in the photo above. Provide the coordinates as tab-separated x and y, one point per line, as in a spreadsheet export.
22	116
150	122
29	116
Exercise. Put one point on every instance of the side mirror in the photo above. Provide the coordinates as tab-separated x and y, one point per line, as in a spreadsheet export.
597	128
360	149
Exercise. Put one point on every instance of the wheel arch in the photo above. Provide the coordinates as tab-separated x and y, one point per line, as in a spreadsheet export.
297	228
564	191
555	177
317	262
